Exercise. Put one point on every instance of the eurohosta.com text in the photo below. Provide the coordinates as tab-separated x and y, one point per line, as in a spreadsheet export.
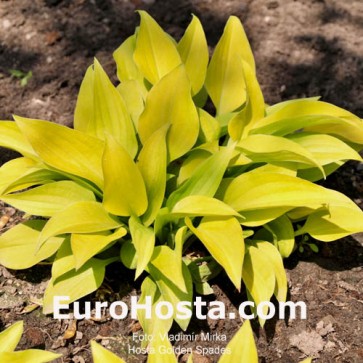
214	310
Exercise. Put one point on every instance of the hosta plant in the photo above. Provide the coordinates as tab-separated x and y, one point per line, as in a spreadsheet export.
181	171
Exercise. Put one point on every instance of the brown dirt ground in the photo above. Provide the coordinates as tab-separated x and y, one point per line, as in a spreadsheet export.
302	48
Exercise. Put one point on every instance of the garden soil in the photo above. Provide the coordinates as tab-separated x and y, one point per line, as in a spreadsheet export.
303	48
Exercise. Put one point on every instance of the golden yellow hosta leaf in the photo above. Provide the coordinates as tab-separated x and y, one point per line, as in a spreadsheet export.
18	246
275	149
254	109
161	350
283	235
75	284
12	138
143	238
155	52
124	190
259	277
275	259
333	222
101	110
124	58
85	246
154	325
80	217
325	149
193	50
55	143
242	347
263	197
152	163
102	355
168	105
48	199
13	170
133	95
29	356
198	205
10	337
205	179
225	81
169	264
223	238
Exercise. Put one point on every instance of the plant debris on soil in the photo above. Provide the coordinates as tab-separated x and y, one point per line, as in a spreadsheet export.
303	48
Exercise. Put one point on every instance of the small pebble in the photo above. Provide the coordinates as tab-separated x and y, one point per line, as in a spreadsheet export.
6	24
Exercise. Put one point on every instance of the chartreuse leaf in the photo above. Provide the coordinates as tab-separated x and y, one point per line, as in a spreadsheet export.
83	119
333	222
259	276
304	114
124	58
80	217
143	238
269	168
12	138
29	356
13	170
275	259
194	159
254	110
48	199
124	190
325	149
225	81
262	197
271	149
18	246
307	360
205	179
155	52
242	347
198	205
85	246
75	284
168	263
161	350
283	235
223	238
153	325
10	337
128	255
270	109
102	355
111	115
181	236
209	127
174	107
104	111
134	96
64	260
152	163
313	174
55	143
193	50
33	176
169	281
351	129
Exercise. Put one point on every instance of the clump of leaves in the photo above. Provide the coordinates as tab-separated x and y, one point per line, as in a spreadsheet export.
10	338
148	175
